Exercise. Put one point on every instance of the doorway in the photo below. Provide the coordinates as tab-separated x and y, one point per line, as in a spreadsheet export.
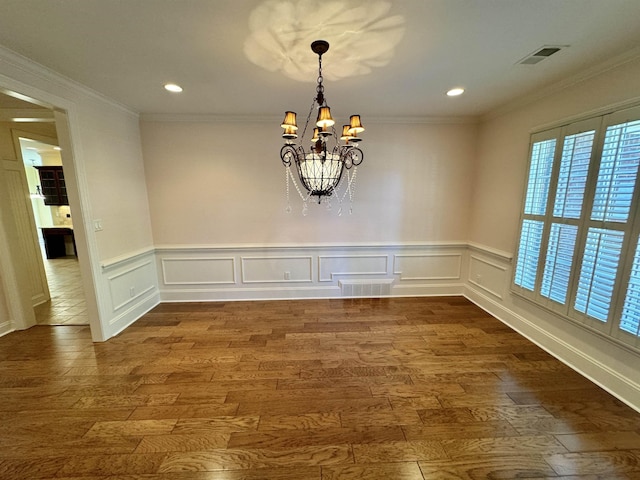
44	172
29	140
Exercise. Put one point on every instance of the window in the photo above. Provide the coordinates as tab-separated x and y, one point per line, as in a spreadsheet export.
579	248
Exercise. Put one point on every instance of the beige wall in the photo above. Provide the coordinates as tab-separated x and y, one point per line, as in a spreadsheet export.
114	169
224	183
503	146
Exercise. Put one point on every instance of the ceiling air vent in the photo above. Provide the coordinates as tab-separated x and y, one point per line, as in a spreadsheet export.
540	54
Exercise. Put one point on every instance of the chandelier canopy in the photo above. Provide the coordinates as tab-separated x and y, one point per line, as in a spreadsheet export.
321	168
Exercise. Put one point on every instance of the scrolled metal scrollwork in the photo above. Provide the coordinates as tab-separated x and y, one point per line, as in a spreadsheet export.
287	154
351	156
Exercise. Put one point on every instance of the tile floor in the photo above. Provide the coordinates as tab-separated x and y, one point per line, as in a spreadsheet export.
67	305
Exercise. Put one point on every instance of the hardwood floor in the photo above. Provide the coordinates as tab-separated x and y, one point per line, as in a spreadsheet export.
67	305
404	388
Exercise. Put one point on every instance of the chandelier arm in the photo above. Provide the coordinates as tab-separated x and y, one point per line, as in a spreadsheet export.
353	156
287	154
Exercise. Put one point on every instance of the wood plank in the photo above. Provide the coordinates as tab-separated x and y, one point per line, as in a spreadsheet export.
234	459
596	463
601	441
182	442
96	465
304	421
493	466
399	451
135	428
326	436
395	471
501	446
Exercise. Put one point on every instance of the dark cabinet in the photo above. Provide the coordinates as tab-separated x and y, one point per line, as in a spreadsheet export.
52	185
54	241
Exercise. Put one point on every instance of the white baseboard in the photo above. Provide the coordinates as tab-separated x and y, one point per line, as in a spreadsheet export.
133	313
248	294
5	328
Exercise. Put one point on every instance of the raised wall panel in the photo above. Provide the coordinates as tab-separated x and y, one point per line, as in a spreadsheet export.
428	266
331	265
130	289
198	271
131	284
277	269
487	275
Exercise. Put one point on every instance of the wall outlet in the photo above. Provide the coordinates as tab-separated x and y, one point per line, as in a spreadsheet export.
287	275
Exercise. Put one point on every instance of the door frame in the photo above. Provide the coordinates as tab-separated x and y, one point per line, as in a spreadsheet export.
67	124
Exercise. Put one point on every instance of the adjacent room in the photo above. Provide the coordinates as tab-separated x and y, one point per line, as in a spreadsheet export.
284	239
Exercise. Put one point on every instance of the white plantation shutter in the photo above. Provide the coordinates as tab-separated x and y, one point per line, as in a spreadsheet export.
630	320
572	177
618	171
529	253
539	177
598	272
580	257
558	263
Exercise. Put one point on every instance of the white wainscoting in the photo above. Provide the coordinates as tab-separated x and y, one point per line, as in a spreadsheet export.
198	271
275	269
132	290
605	362
488	275
244	272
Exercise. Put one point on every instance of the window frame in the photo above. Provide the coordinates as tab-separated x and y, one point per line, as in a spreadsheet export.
631	229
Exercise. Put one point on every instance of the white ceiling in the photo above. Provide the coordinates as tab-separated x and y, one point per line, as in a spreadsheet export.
397	58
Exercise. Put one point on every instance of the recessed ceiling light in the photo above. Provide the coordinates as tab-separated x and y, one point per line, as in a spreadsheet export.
172	87
57	148
454	92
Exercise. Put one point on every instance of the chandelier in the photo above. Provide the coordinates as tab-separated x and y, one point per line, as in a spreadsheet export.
322	168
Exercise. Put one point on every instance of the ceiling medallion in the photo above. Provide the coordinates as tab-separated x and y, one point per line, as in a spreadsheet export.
322	169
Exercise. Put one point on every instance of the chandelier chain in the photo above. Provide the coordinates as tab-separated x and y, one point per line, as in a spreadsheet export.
304	130
320	86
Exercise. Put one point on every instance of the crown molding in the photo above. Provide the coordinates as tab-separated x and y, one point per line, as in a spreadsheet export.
272	119
207	118
598	112
582	76
30	67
